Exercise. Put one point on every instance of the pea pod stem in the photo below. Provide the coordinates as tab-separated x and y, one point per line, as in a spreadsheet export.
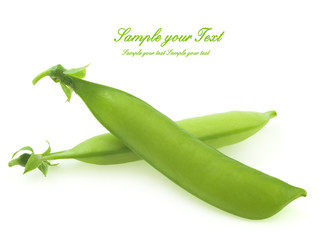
41	75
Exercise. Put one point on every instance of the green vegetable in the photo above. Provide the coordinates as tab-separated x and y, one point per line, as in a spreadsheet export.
217	130
190	163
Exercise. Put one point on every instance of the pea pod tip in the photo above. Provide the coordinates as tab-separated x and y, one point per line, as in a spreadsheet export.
272	114
303	193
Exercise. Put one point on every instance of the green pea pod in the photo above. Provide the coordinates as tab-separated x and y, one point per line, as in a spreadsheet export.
217	130
195	166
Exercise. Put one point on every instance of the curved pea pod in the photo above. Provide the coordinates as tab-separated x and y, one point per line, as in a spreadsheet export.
217	130
195	166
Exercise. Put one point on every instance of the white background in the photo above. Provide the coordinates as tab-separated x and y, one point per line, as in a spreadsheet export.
271	57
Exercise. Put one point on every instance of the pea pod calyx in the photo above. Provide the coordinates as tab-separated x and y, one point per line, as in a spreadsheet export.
31	161
56	71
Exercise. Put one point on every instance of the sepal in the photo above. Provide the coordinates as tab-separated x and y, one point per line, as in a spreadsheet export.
67	91
77	72
33	162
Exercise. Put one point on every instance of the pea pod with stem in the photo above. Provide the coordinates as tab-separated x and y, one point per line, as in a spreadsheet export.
187	161
217	130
